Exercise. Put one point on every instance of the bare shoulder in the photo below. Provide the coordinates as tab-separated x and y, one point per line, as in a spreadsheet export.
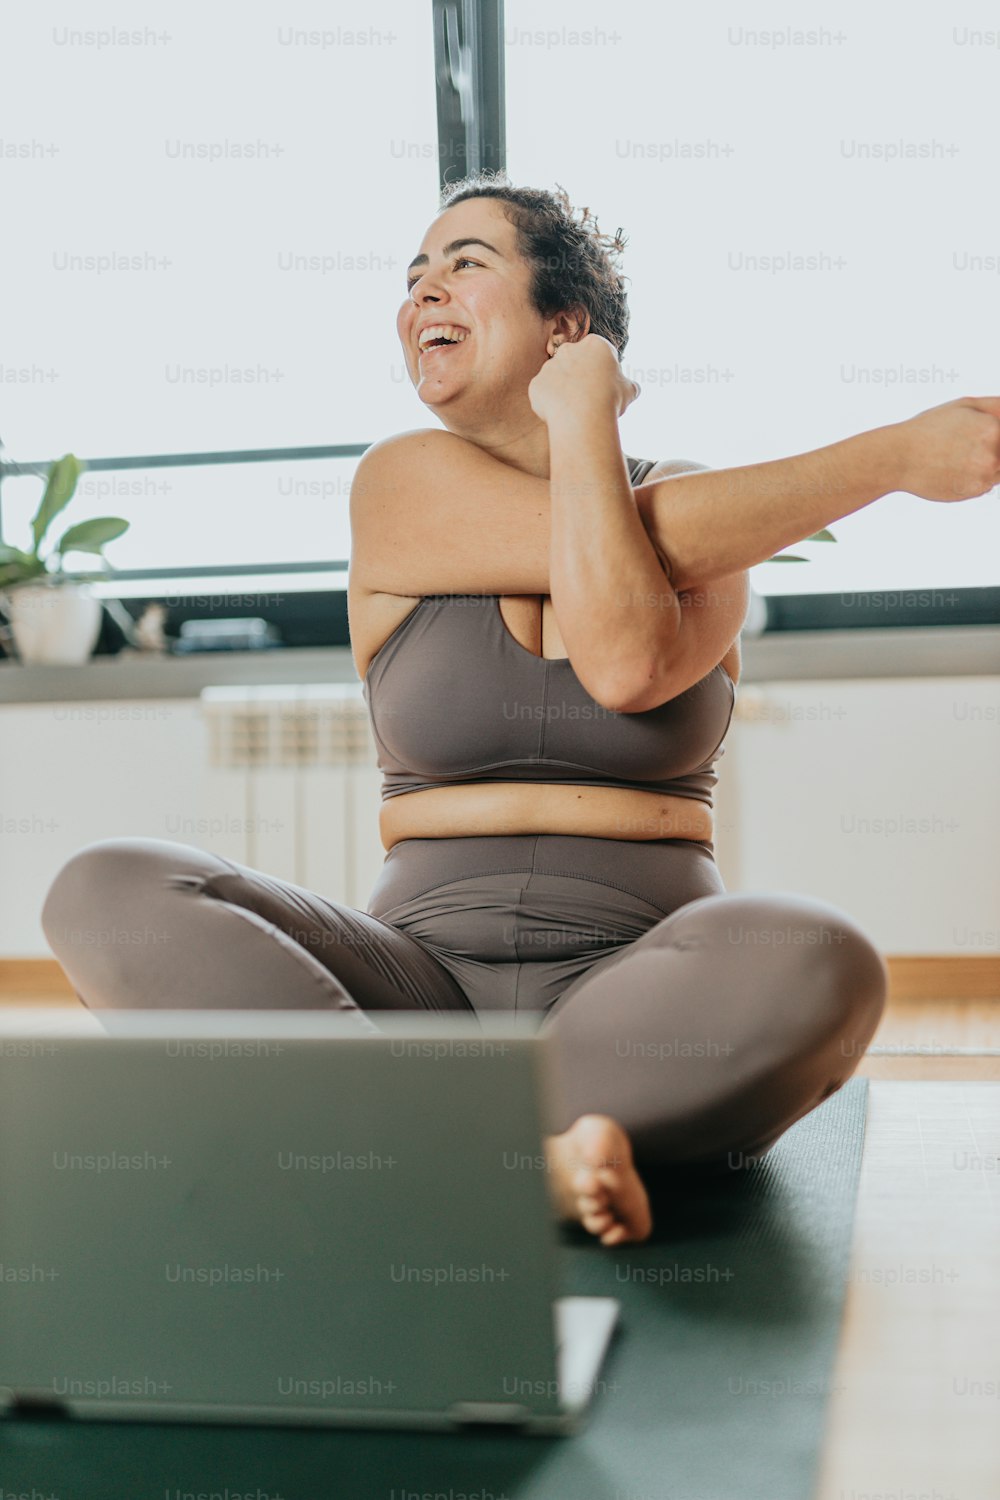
390	461
389	467
433	513
404	442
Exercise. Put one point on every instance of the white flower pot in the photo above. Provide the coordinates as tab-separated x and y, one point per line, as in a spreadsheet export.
53	624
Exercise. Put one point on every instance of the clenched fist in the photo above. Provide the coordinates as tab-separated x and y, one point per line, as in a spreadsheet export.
579	379
951	452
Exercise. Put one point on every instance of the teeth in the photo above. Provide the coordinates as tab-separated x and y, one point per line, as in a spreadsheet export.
442	331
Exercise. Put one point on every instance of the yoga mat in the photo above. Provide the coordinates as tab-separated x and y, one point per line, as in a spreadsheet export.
715	1387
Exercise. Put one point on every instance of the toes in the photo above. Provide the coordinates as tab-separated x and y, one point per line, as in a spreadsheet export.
589	1204
610	1199
597	1223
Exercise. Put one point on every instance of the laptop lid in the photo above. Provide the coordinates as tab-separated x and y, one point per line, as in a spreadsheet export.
269	1216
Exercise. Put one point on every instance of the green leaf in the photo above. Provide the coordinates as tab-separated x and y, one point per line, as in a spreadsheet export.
787	557
15	555
63	475
91	536
21	572
821	536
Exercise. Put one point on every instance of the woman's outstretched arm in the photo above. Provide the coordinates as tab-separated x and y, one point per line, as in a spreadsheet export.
706	525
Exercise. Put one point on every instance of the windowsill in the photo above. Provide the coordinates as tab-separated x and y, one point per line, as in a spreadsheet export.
787	655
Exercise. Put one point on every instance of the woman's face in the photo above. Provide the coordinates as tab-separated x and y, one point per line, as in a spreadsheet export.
482	288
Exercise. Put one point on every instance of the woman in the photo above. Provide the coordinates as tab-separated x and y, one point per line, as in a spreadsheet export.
548	638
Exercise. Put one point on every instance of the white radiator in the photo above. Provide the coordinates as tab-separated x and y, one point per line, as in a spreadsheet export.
293	777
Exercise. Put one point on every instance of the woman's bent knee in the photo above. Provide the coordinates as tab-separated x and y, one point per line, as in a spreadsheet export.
106	880
849	975
815	949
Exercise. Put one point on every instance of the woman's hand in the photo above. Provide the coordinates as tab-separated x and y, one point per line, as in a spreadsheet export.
951	452
579	378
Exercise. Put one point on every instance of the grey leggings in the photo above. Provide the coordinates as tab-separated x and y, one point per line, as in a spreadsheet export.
705	1022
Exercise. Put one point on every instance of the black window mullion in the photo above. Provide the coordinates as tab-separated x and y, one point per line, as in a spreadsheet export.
469	70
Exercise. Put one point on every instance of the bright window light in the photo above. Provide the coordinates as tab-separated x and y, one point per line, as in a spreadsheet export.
812	251
208	233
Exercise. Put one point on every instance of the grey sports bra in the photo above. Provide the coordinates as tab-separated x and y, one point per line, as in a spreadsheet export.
453	698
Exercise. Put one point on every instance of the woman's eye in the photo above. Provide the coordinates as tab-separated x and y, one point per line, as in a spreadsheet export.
462	260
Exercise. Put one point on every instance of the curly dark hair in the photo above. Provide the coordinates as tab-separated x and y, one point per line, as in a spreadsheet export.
573	263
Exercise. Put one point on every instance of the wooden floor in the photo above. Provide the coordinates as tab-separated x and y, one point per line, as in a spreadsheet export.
915	1407
940	1039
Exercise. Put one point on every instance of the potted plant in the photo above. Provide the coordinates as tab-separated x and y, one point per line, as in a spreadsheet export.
54	617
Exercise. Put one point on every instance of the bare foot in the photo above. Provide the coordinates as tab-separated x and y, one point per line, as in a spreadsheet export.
595	1181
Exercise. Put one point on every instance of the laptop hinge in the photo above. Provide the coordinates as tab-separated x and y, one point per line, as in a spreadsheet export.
489	1413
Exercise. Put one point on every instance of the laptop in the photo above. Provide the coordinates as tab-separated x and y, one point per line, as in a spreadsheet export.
278	1217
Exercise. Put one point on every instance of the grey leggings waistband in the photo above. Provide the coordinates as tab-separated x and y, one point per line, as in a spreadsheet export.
664	873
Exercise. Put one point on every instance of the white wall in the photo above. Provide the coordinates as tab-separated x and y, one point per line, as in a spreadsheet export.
71	773
881	796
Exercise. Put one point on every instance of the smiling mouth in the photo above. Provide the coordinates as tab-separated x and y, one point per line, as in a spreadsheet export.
437	349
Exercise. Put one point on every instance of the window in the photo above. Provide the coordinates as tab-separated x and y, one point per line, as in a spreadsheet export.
812	247
209	221
214	516
208	228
